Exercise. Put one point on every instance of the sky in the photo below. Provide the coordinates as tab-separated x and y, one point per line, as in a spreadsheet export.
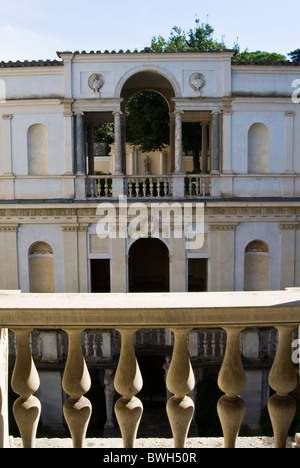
37	29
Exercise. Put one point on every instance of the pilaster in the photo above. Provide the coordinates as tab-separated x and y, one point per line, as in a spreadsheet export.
289	139
70	245
8	182
8	257
287	254
222	239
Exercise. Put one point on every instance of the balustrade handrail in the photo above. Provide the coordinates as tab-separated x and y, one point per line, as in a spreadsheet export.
159	310
180	312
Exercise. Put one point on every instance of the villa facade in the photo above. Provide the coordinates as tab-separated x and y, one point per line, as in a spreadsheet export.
55	188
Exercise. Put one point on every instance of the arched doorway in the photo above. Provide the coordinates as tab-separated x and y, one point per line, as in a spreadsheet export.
148	266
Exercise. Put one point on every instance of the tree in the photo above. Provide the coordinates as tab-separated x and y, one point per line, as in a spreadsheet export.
197	39
147	121
295	55
257	56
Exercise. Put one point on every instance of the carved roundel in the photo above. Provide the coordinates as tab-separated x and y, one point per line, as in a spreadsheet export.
96	82
197	81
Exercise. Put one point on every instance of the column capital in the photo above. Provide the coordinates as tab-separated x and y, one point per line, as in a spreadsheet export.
7	116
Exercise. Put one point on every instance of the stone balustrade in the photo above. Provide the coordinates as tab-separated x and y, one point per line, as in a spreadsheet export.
149	186
181	313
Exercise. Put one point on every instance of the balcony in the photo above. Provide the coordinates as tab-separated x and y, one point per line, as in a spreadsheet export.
193	186
227	313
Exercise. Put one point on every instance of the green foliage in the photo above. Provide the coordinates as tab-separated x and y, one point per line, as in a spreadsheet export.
295	55
197	39
258	57
103	133
147	121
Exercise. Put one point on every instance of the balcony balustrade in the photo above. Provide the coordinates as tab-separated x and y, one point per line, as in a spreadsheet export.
191	186
223	315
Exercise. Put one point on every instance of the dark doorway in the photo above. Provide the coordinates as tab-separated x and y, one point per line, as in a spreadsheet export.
100	275
197	279
148	266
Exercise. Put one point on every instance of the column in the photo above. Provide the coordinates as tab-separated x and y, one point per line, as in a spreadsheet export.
204	126
215	146
91	166
80	153
178	143
226	133
90	142
289	140
68	114
118	144
172	141
80	159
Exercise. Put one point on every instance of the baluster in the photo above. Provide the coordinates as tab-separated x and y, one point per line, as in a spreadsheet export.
25	382
95	345
151	186
76	382
213	343
283	379
203	186
86	344
205	344
91	187
137	187
130	187
222	343
166	187
180	382
231	407
105	187
128	382
144	187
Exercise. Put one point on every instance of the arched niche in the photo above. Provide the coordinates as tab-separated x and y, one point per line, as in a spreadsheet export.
37	150
258	149
41	268
257	266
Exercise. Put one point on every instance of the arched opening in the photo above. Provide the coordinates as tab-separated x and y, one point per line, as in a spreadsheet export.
256	267
258	149
37	150
147	134
148	266
41	268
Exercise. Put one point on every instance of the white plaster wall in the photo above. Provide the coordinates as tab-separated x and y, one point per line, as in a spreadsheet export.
56	136
116	70
266	232
1	142
263	80
27	235
25	83
241	122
